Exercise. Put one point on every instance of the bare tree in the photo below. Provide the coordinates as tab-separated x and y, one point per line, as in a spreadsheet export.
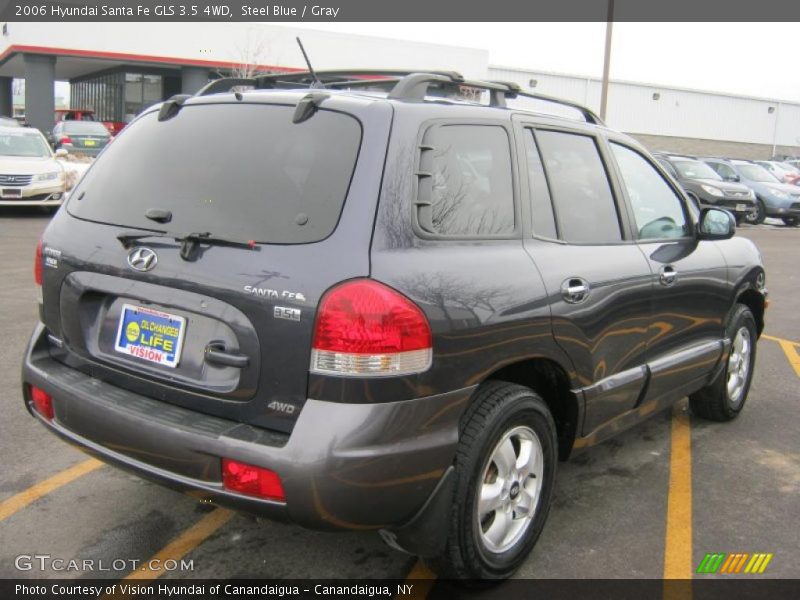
252	54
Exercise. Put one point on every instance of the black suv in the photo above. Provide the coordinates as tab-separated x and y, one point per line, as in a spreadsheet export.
706	188
360	301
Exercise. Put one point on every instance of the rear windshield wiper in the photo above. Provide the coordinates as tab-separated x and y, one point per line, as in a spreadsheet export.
189	242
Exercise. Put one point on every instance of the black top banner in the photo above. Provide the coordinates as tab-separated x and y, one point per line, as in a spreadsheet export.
278	11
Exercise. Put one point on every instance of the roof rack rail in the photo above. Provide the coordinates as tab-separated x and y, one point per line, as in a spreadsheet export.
405	85
516	90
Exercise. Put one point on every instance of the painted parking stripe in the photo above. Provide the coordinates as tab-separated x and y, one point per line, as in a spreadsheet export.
183	544
678	543
789	349
422	579
32	494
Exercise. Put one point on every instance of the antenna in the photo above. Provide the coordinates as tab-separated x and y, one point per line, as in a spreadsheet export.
317	83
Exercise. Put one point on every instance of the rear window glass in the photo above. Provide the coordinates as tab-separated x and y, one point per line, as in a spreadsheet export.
85	127
236	170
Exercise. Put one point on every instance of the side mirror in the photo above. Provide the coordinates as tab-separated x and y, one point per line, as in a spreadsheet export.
734	178
715	224
61	153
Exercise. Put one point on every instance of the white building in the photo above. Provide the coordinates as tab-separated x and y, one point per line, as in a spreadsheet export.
117	69
678	119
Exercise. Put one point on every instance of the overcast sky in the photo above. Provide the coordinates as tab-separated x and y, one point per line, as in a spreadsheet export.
754	59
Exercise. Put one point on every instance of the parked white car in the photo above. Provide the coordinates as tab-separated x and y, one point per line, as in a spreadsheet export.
30	175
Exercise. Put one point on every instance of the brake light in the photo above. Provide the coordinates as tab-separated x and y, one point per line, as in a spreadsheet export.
37	265
365	328
251	480
42	402
66	140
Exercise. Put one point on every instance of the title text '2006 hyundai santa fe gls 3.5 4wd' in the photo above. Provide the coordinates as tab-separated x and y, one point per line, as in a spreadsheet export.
376	304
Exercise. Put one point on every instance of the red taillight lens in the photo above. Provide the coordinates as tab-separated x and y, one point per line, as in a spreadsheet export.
37	265
251	480
66	140
42	402
366	328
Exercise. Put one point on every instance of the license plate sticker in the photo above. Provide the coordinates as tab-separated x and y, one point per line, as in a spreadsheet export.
741	207
150	334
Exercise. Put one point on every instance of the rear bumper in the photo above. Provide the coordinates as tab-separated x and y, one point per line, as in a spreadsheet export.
344	466
91	151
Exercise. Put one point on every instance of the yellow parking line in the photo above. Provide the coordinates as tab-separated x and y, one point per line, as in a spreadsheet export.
791	355
789	349
183	544
422	578
678	543
778	339
32	494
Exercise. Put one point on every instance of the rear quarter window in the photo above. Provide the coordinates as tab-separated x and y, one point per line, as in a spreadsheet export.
238	170
468	188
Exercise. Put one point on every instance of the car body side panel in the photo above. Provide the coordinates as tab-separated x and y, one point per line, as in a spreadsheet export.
484	299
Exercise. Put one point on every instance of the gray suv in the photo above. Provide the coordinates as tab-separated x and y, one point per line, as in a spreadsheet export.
358	300
706	188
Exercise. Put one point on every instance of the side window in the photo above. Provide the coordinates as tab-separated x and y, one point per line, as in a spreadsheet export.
544	224
668	167
657	209
724	171
470	191
584	205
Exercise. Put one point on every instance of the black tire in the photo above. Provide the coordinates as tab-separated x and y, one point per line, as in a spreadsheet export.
757	216
791	221
714	402
499	408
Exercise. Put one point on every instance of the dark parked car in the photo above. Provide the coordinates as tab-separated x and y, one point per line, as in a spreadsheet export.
774	198
706	188
389	311
80	137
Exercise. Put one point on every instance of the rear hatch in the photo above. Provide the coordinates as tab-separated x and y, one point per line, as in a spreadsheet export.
87	135
268	214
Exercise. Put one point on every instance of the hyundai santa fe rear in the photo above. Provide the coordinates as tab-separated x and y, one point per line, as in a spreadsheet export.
354	309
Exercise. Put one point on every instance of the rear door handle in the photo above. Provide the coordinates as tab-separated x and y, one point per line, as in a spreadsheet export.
667	275
575	290
217	355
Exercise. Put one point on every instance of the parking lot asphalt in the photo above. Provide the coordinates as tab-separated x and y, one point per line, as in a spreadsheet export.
664	493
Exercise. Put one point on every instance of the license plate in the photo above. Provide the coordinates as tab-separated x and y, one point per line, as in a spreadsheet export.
151	335
12	193
741	207
89	143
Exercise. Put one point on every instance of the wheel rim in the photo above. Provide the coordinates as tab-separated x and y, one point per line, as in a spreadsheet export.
510	487
739	365
754	216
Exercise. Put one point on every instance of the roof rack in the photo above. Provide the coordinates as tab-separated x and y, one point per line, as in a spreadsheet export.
401	85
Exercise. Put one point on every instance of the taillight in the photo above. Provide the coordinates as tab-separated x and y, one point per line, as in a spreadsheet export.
251	480
42	402
66	140
367	329
37	265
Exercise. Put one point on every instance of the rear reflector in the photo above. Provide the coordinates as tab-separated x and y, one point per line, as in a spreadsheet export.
37	265
251	480
42	402
365	328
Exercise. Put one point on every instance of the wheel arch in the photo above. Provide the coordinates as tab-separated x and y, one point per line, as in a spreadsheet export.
756	302
551	381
